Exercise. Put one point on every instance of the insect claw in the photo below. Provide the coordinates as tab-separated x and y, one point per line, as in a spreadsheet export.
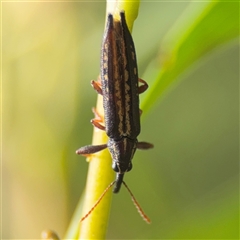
95	123
97	87
143	87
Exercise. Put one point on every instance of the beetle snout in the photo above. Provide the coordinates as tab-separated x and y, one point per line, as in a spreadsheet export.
118	182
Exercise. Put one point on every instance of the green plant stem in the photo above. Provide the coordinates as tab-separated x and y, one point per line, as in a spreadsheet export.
99	176
100	173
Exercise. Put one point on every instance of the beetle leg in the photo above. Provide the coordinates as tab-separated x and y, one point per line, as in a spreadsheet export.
95	123
97	86
90	149
143	87
144	145
140	112
97	120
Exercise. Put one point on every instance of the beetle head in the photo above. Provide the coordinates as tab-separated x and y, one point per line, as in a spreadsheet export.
122	152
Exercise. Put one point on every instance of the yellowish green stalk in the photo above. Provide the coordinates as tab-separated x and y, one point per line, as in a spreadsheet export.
100	173
99	176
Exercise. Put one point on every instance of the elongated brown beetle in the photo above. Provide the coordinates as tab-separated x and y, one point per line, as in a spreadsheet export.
120	89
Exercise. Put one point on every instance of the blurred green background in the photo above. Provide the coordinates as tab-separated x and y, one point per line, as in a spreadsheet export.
188	184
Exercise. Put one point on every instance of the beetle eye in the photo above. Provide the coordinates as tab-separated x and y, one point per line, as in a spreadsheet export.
115	167
129	167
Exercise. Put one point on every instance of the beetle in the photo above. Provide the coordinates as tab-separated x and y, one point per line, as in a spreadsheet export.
120	88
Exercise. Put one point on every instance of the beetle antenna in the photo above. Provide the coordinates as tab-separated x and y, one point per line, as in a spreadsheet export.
98	201
143	215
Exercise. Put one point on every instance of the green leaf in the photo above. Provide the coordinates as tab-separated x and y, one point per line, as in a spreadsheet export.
202	28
